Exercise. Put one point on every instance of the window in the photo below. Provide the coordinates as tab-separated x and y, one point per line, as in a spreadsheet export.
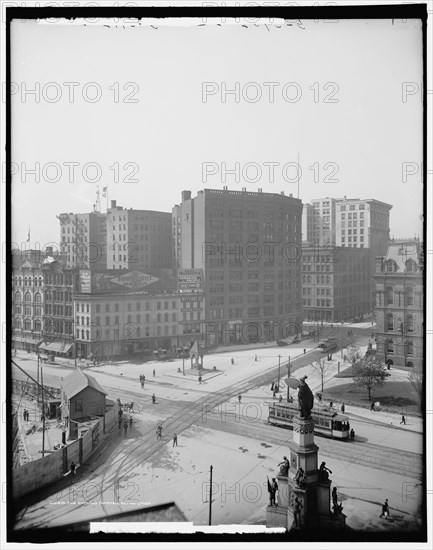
107	308
97	310
389	295
409	296
409	348
390	346
116	307
389	322
107	321
409	323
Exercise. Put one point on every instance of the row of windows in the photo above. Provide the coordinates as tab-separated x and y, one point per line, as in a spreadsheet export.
37	311
136	332
28	281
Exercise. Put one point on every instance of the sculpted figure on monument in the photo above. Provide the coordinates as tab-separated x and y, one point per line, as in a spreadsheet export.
284	466
300	478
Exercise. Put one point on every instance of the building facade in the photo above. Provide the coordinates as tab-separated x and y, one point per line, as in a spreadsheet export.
400	304
60	284
248	245
138	239
83	239
27	300
335	283
131	313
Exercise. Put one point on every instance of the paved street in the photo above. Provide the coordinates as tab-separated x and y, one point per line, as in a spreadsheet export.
213	428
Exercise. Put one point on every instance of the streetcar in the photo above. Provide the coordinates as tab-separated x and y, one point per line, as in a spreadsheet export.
328	423
328	344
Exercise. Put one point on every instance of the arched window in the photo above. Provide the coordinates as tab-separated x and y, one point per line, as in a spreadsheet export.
38	325
389	295
390	266
409	348
17	297
77	333
82	320
17	323
25	281
27	297
390	346
82	334
409	296
389	321
38	297
87	335
409	364
27	324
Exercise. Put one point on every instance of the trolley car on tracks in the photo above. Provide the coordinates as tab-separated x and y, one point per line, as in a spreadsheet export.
328	423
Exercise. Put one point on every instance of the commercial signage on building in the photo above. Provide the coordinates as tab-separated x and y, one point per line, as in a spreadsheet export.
190	279
134	279
86	280
194	298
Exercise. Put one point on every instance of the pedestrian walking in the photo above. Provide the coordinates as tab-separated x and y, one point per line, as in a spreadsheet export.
255	358
352	434
233	361
153	399
239	398
385	510
331	405
130	421
154	374
274	394
125	427
372	407
280	398
120	422
403	419
72	471
142	384
305	351
272	386
24	415
343	408
174	440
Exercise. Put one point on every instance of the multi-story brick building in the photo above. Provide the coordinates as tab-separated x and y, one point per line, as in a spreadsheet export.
60	284
335	283
27	299
83	239
138	239
123	313
248	245
118	239
400	304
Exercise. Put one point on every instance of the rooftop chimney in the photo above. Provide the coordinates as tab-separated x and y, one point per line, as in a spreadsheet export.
186	195
113	204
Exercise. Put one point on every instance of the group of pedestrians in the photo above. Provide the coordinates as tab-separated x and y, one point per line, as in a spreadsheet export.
142	380
26	415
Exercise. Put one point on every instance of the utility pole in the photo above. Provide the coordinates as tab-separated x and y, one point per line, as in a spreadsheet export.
38	380
43	414
183	361
288	376
279	358
210	497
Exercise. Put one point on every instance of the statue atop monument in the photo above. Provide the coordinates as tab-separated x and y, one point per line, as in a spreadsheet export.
305	399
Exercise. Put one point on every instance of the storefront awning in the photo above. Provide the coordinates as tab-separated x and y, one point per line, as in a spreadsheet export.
66	348
55	346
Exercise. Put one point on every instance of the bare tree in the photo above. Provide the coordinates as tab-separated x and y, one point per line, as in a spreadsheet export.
353	354
320	366
416	378
369	373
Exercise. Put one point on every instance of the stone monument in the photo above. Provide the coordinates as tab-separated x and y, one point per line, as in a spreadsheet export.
304	494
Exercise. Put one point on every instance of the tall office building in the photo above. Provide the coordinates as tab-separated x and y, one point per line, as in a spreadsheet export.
83	240
119	239
138	238
248	245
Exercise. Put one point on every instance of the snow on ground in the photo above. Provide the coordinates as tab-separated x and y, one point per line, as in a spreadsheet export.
240	469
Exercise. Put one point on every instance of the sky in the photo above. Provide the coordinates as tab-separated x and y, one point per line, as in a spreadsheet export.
148	116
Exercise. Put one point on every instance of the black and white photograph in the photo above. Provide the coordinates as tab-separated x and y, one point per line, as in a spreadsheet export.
214	274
